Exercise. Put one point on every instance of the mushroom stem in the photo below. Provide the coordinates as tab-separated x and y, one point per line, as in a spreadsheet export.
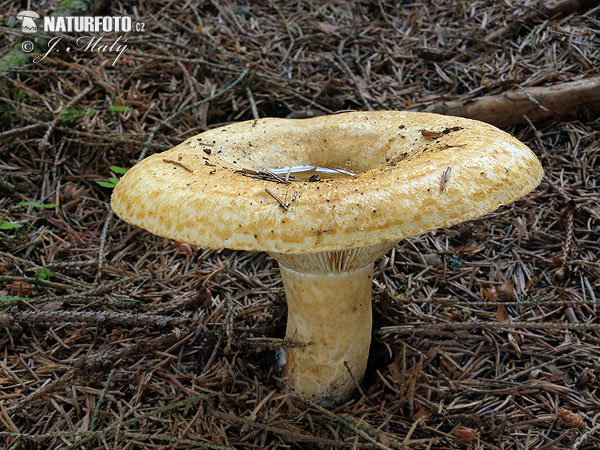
329	320
331	315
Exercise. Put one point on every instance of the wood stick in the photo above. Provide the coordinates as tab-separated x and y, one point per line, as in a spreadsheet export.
21	130
425	328
44	141
537	103
92	318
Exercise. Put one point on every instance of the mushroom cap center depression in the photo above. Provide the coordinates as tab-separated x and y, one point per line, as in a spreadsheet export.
327	147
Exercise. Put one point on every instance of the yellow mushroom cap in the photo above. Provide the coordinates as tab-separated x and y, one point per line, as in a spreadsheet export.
414	172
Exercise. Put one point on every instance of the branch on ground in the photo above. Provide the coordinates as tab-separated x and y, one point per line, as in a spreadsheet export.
535	103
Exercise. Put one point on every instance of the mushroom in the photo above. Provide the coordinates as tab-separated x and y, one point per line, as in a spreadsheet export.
398	174
28	23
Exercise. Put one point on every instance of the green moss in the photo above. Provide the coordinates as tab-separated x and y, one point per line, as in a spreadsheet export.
13	59
7	23
21	96
72	114
70	5
43	274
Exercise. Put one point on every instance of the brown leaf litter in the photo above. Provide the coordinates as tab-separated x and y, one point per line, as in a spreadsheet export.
485	334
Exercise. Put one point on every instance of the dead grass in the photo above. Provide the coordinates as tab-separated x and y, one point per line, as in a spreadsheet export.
446	366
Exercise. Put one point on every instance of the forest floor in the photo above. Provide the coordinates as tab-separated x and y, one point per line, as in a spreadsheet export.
111	337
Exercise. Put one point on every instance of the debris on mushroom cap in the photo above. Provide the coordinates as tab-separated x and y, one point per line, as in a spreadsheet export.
219	207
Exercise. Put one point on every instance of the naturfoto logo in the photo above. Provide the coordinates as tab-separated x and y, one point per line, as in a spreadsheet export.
89	24
80	24
27	19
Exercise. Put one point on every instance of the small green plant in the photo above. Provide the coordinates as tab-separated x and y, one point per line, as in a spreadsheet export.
119	170
74	7
43	274
21	96
403	288
72	114
112	181
11	299
39	205
116	108
6	225
22	236
68	3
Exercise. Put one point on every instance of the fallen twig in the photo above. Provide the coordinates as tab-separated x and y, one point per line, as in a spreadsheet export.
252	104
38	282
155	412
89	435
560	273
290	436
44	141
104	361
107	385
10	315
581	439
265	175
178	164
272	194
287	30
414	328
22	130
570	207
371	435
537	103
42	391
